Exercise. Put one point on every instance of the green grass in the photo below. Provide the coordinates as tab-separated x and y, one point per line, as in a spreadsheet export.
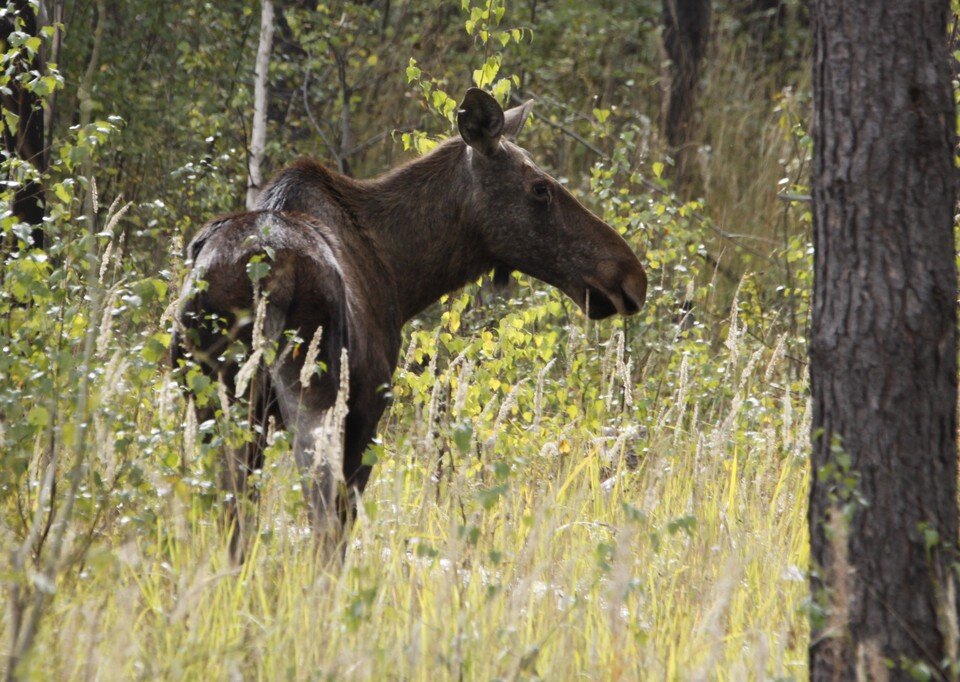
658	534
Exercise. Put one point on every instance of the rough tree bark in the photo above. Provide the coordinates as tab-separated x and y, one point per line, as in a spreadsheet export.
258	133
686	30
883	347
27	141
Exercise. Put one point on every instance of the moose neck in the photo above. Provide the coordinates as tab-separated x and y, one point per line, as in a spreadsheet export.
418	216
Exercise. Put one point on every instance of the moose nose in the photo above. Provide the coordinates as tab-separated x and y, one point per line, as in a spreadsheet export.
616	287
634	291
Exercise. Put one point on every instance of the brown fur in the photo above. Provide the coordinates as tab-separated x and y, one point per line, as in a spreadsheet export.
361	257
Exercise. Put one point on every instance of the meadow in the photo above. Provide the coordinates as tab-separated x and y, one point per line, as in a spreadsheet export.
605	503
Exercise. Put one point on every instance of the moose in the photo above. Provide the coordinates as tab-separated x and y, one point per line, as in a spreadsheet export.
349	262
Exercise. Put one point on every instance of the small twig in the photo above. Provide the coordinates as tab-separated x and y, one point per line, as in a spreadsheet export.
316	125
366	144
574	135
719	267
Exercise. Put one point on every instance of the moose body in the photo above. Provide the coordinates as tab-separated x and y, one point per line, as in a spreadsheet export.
356	259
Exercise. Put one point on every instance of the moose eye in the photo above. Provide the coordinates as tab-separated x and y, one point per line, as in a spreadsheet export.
540	189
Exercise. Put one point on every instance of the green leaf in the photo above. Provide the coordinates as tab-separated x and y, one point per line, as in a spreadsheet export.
150	289
198	382
63	194
485	75
155	349
684	523
38	416
413	72
462	435
372	454
11	119
426	551
501	89
257	268
489	497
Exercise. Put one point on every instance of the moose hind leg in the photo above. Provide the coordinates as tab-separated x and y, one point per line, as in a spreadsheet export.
240	505
320	458
316	418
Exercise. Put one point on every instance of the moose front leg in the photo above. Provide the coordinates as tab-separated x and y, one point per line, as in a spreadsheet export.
361	430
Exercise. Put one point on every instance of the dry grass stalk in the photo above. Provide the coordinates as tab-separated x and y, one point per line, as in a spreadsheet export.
106	324
190	428
328	437
734	332
463	386
309	368
508	404
538	395
252	363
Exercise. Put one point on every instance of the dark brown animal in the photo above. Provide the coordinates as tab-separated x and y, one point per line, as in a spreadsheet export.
358	258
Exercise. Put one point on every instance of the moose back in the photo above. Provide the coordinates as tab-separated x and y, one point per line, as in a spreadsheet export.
345	263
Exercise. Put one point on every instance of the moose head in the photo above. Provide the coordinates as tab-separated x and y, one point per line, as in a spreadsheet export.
531	223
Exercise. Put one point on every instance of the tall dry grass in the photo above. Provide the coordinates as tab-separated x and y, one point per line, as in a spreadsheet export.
670	543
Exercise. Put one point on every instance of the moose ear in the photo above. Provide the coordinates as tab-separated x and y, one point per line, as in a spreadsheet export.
515	118
480	121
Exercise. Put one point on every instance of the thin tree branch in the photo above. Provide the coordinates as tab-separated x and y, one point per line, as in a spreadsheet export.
334	152
258	133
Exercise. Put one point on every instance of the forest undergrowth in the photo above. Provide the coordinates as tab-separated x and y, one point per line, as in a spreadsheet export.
553	498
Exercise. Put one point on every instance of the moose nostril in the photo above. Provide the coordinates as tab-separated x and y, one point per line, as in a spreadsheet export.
630	306
634	287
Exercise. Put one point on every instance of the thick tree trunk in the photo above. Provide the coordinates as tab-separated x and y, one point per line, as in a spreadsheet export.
686	30
26	142
258	134
883	351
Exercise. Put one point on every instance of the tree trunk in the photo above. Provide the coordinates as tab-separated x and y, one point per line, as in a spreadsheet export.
686	30
25	142
883	351
258	134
